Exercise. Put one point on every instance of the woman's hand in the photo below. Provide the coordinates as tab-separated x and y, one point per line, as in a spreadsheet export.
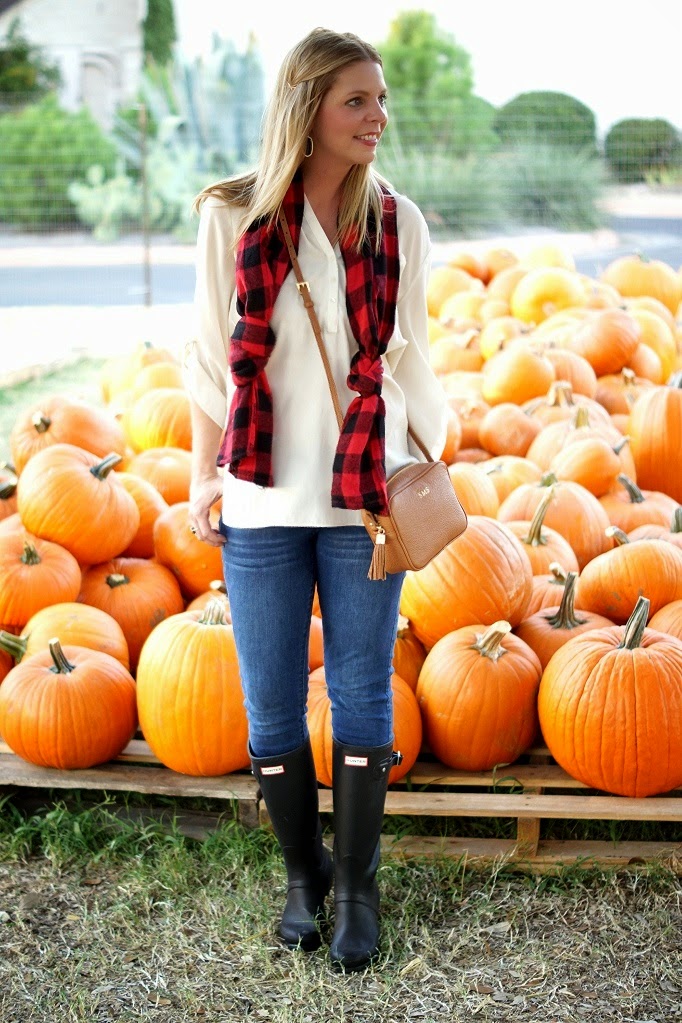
203	494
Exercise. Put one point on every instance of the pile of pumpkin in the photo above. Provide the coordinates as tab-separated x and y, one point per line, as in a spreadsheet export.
556	617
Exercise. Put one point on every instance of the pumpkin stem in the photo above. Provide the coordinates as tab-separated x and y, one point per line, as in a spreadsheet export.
675	380
676	522
30	555
7	489
634	493
558	572
489	643
617	448
535	537
635	625
566	618
61	665
560	394
15	646
581	417
116	579
41	422
549	479
629	376
218	586
103	468
403	624
214	613
617	534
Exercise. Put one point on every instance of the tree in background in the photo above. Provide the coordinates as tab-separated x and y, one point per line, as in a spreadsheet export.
159	31
430	83
24	73
638	147
550	117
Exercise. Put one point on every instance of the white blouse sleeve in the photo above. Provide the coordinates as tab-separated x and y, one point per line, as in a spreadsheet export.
425	399
205	366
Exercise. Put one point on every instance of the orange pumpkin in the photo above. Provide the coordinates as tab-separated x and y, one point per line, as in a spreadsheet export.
508	472
69	496
470	412
544	291
610	706
547	589
592	462
475	490
315	643
217	590
612	583
408	654
169	470
507	430
160	418
628	507
652	531
542	545
8	491
636	275
120	373
193	562
668	619
137	593
548	629
157	374
407	727
473	680
34	573
516	375
150	505
655	431
68	708
73	624
573	368
453	438
617	392
189	694
607	339
484	574
561	403
63	420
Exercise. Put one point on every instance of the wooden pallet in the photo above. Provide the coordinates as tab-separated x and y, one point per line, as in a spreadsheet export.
527	792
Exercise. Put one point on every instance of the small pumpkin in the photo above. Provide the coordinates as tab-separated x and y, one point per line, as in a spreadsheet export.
547	589
193	562
636	275
408	654
60	419
507	430
473	679
160	418
541	544
169	470
668	619
8	491
516	375
628	507
150	505
68	707
73	624
653	531
508	472
34	573
474	488
607	339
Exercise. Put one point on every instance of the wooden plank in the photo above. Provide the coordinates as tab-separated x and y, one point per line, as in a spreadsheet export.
486	804
551	855
523	775
125	777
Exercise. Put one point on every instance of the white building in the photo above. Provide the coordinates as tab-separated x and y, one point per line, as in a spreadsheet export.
96	43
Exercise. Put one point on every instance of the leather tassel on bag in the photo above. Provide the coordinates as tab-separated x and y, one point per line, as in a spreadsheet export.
377	567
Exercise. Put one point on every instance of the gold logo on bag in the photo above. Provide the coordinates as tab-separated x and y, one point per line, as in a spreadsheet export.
423	492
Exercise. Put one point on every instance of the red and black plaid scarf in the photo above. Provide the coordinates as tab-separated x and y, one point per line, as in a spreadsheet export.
262	263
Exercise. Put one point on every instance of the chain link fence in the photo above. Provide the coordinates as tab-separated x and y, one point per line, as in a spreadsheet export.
67	186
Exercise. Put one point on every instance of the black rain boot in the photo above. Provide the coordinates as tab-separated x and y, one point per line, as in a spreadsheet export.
289	787
360	777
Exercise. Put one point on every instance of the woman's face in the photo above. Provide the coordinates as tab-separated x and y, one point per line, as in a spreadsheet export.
352	116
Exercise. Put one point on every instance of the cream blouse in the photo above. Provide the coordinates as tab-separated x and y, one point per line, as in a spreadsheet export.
305	427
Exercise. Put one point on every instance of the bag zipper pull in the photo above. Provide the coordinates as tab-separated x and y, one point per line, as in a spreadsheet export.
377	567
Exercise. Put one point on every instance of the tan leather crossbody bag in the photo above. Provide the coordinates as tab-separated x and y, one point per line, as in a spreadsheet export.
424	513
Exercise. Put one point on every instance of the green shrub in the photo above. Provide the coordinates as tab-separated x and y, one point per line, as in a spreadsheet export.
550	117
42	150
25	74
456	196
639	146
552	186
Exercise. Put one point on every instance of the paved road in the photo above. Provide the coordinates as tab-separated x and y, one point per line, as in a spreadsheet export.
124	285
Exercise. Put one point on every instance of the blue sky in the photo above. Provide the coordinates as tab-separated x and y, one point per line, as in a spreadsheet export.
621	57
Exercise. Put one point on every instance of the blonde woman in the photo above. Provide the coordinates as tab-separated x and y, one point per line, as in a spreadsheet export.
293	487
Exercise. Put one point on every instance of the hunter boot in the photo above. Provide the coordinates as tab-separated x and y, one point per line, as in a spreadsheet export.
289	787
360	777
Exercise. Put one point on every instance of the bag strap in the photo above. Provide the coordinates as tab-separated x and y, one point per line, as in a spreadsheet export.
304	292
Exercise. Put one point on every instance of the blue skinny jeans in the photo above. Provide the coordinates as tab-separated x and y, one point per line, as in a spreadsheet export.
270	574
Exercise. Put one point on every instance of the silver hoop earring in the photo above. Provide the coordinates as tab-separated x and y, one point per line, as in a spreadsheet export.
312	146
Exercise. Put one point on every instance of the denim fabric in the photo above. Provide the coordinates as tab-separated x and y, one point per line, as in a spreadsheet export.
270	574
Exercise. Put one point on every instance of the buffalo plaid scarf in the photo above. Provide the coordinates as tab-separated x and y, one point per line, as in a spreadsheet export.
262	263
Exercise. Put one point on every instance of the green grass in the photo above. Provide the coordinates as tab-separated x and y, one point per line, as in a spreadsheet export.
104	920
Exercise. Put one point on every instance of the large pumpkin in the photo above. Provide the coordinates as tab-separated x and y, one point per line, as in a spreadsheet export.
194	563
73	624
481	576
68	707
477	693
610	707
189	694
64	420
69	496
548	629
407	726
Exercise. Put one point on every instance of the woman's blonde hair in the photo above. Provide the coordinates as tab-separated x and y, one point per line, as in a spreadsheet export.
307	73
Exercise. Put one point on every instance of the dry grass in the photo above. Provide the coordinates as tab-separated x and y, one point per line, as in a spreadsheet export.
112	923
